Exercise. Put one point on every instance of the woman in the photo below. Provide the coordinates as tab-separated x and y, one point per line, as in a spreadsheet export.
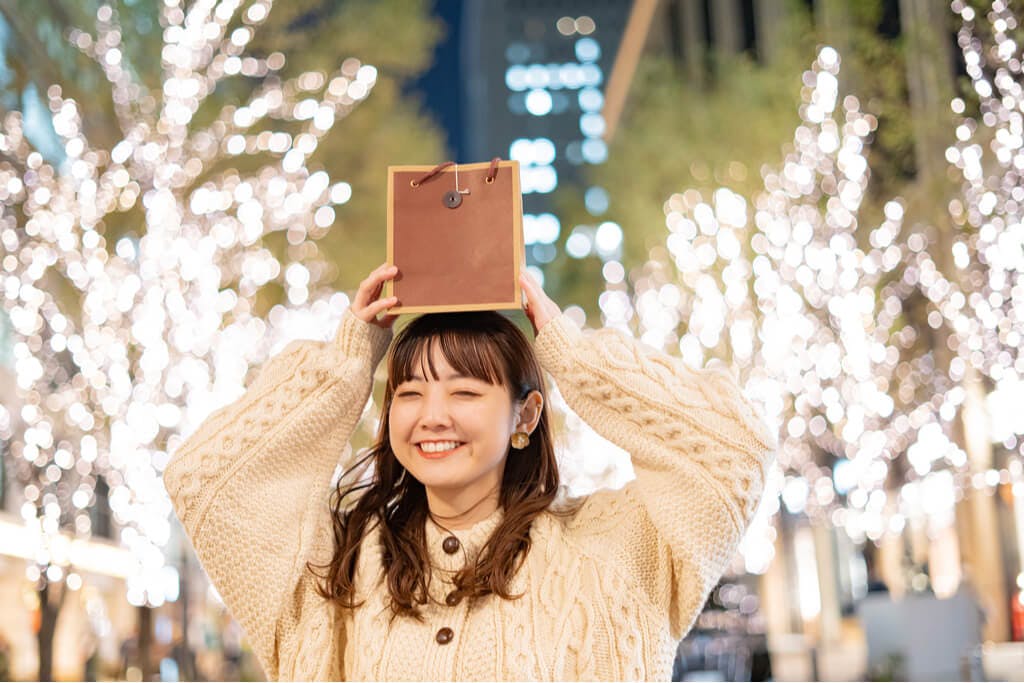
449	558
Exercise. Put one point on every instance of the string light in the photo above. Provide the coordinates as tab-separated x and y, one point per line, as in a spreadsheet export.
816	313
987	308
121	349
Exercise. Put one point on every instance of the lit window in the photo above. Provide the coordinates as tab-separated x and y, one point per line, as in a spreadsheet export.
590	74
543	151
515	78
544	253
529	228
541	179
592	125
579	243
537	76
587	50
555	81
571	75
596	200
547	228
591	99
538	102
540	151
594	151
521	150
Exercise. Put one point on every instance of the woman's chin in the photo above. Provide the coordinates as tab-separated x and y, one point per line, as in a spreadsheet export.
440	481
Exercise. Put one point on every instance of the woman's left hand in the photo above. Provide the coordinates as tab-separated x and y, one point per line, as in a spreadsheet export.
539	307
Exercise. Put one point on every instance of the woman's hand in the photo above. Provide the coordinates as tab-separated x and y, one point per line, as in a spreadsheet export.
368	305
538	306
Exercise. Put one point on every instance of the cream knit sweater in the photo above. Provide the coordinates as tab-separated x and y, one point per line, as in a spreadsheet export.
606	593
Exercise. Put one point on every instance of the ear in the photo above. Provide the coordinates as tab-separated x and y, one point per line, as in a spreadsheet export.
529	412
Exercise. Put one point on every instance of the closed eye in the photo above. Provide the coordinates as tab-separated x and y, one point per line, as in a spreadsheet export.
407	393
466	393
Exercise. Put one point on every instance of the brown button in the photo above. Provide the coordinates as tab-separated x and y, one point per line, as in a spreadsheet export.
450	545
452	200
452	599
444	636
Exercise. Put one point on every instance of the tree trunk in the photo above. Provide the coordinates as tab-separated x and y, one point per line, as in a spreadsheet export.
146	664
726	26
930	83
769	17
694	47
51	599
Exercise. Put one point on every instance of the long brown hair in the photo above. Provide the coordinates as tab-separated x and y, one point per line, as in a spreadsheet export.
485	345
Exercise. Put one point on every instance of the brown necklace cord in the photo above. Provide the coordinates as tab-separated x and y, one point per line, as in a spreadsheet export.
430	174
434	518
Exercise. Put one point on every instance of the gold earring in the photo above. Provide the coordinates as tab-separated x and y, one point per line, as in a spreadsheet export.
520	440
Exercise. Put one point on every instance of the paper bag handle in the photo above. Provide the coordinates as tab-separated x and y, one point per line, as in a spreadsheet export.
492	172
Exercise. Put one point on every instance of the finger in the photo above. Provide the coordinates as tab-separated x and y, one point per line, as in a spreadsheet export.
375	289
369	289
379	272
380	275
527	284
532	288
380	305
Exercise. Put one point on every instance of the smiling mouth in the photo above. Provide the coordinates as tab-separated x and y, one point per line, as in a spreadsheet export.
435	454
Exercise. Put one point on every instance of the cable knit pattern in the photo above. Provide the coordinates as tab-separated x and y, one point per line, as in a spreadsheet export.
608	587
249	487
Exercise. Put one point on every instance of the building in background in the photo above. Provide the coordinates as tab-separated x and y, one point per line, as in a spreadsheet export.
535	77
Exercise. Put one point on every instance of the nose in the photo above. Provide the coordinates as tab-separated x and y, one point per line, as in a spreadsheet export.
434	411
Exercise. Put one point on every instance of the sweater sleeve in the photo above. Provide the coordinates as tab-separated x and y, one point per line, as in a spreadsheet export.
250	485
699	451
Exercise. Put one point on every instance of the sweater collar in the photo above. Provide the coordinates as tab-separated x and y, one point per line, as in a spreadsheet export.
470	541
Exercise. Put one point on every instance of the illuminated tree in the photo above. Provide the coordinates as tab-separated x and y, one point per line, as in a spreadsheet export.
122	345
987	308
816	312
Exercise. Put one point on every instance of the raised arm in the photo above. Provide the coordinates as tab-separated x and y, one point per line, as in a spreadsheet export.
251	484
699	451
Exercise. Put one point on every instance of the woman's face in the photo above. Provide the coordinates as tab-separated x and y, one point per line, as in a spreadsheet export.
451	433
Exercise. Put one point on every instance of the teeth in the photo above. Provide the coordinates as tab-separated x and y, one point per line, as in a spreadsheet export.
438	446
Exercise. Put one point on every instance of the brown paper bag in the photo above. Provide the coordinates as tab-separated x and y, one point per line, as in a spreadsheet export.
457	247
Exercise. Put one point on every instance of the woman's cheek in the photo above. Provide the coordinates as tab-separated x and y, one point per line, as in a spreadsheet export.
398	426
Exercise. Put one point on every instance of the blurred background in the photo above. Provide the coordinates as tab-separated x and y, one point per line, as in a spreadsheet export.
824	194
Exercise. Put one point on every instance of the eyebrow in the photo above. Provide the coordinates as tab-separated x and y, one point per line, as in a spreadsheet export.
418	378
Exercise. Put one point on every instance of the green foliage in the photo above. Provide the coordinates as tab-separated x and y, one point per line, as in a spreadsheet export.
397	37
877	77
677	134
386	129
36	52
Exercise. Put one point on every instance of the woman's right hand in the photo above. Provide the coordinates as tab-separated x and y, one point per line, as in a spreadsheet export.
367	304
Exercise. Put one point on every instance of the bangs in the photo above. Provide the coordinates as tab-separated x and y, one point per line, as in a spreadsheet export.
472	353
